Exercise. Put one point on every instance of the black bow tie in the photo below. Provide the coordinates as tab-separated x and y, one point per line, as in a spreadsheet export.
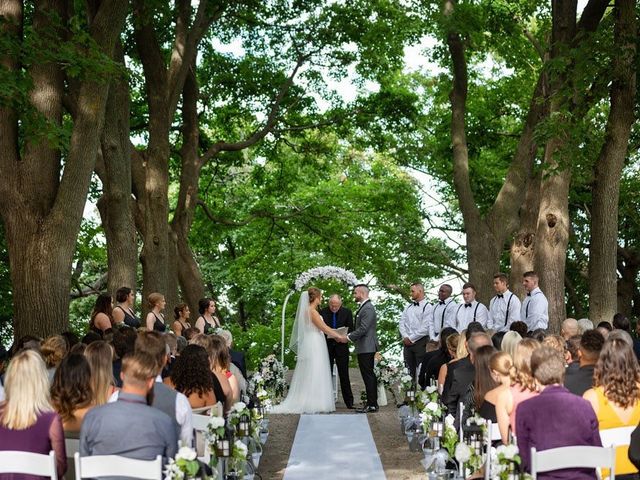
500	295
529	294
417	304
441	302
467	305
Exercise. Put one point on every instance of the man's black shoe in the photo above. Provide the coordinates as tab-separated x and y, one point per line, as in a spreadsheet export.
351	407
368	409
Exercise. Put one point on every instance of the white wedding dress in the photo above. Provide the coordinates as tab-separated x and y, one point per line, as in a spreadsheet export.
311	389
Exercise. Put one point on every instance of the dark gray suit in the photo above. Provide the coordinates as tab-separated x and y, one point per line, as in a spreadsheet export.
366	340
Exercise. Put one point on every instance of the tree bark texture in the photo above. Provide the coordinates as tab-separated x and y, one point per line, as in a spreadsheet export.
42	208
115	204
628	291
553	217
608	168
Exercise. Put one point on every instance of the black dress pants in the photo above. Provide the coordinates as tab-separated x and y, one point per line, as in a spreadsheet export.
339	353
365	362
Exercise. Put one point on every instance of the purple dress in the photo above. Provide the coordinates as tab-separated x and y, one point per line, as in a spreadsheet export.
41	437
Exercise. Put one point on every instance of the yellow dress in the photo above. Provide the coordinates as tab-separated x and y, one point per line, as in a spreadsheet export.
607	418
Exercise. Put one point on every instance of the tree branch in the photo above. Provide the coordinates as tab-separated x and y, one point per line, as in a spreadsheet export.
267	127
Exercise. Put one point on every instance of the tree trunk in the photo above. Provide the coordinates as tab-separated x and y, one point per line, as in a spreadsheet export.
115	204
523	246
42	207
629	268
608	168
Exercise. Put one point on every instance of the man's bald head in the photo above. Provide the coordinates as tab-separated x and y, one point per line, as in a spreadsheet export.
569	328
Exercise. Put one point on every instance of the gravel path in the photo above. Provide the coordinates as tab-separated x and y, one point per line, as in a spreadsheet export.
398	462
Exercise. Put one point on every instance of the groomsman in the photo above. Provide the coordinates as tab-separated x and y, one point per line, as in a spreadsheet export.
444	312
535	307
336	316
471	310
504	308
414	328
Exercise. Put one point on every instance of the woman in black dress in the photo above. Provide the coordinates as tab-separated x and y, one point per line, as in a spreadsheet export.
155	319
207	322
181	314
123	312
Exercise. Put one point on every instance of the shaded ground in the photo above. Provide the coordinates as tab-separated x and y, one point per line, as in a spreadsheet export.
398	462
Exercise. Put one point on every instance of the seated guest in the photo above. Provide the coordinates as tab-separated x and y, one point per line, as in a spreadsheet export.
123	342
430	366
28	423
555	418
523	387
604	328
579	380
221	360
483	383
189	333
500	364
453	341
510	342
556	342
519	327
218	380
569	328
584	324
191	376
173	403
53	351
172	343
128	426
463	375
100	357
615	397
238	364
621	322
571	357
71	391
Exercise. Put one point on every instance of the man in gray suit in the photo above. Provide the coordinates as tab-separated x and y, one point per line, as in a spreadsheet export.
366	341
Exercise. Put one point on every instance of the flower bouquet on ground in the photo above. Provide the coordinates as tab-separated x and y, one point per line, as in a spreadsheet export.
271	377
388	375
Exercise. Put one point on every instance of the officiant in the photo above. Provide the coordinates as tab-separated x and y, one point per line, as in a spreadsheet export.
336	316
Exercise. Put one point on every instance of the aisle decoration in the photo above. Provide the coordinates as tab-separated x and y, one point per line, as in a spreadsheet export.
328	271
388	374
268	384
505	463
184	466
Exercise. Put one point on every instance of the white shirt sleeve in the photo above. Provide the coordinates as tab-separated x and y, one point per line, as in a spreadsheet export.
185	419
403	323
1	393
422	329
514	309
538	312
431	323
482	316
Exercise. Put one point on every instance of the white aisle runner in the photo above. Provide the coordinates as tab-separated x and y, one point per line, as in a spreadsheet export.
334	447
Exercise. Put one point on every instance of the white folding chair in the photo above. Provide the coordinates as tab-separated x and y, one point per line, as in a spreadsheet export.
582	456
616	437
117	466
493	434
29	463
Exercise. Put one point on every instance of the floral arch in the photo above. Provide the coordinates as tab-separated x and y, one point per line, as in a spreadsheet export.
304	278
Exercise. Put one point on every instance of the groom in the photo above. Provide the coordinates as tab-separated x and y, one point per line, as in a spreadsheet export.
366	340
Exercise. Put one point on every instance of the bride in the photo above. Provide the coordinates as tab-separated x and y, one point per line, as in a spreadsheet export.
311	389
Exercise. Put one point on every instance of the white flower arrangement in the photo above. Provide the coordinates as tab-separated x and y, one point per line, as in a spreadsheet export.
463	452
268	383
504	461
325	272
183	466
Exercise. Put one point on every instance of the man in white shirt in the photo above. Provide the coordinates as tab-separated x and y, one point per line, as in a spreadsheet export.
471	310
444	312
504	308
414	328
535	307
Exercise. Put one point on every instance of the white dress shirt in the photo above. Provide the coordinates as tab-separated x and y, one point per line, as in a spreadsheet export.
535	310
184	415
471	312
504	309
444	315
414	323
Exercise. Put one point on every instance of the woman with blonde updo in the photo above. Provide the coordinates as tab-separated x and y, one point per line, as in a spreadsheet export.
523	387
500	365
311	389
155	318
452	342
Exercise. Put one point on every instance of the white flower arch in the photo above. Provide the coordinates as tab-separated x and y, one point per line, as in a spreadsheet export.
304	278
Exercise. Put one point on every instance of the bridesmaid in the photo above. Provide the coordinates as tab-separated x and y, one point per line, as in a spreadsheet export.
123	311
181	314
101	317
206	322
155	319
